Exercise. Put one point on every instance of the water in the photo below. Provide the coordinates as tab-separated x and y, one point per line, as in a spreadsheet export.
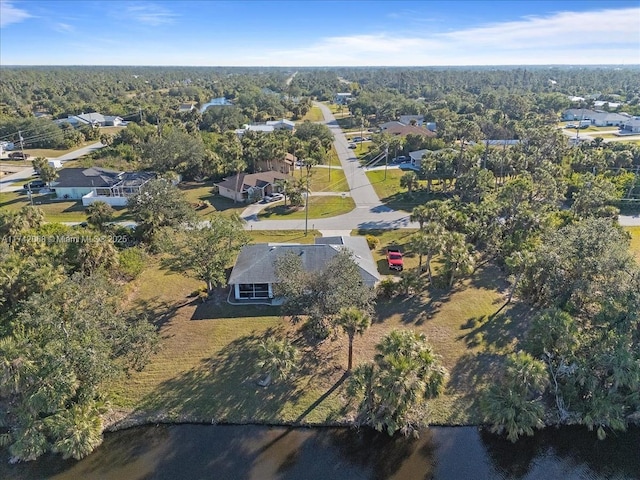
262	453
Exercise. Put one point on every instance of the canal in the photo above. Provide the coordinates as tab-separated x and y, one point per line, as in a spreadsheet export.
264	453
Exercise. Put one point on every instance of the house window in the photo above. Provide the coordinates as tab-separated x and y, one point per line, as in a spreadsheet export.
253	290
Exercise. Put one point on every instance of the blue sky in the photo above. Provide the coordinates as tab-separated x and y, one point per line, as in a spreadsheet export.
307	33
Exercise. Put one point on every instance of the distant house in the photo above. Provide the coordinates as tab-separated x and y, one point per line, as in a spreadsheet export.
393	123
404	130
216	102
284	165
342	98
282	124
602	103
99	184
254	128
245	187
186	107
631	126
253	275
412	120
599	118
93	119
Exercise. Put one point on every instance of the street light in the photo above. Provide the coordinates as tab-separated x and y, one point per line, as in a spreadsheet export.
306	201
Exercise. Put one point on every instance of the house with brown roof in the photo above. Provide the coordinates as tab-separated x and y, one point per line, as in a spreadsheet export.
284	165
247	187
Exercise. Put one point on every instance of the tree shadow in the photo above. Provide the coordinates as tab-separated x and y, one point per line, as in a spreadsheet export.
497	331
413	309
159	311
222	387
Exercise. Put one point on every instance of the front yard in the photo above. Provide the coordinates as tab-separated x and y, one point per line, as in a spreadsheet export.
319	207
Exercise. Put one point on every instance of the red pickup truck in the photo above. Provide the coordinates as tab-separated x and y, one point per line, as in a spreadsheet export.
394	259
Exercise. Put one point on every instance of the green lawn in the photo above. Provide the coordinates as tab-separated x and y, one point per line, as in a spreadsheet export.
319	207
390	192
320	181
198	192
313	115
54	210
635	240
282	236
51	152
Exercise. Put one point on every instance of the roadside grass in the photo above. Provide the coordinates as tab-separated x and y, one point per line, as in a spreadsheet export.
635	241
112	163
319	180
206	367
282	236
52	152
396	197
313	115
319	207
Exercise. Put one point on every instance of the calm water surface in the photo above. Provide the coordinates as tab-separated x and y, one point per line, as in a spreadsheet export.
264	453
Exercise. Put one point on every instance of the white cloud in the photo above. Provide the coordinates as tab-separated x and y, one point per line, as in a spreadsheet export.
10	14
63	27
151	14
606	36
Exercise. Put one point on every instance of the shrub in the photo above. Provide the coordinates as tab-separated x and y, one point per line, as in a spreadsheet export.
132	262
387	288
373	242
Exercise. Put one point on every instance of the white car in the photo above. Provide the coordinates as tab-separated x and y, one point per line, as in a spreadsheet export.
276	197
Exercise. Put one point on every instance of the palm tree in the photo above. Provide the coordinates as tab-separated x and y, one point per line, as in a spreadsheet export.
99	213
420	214
277	358
353	321
394	389
458	260
409	181
434	235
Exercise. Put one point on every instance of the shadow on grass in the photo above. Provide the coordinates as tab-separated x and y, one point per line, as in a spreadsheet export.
413	309
471	373
407	201
223	387
159	311
497	332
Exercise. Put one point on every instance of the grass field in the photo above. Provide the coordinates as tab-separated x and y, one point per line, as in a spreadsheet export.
319	207
313	115
206	368
635	240
198	192
320	182
52	153
54	210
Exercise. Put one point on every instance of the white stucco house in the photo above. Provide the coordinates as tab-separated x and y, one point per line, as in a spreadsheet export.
99	184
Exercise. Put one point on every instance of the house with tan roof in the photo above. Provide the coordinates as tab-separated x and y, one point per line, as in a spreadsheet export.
246	187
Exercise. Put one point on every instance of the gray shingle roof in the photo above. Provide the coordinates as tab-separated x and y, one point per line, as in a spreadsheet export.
256	263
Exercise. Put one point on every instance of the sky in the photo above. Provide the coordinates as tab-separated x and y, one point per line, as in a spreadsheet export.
319	33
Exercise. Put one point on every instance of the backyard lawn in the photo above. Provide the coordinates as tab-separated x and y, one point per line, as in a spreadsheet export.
635	240
206	368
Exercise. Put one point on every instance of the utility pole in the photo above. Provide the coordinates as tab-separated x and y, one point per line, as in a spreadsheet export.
306	202
386	159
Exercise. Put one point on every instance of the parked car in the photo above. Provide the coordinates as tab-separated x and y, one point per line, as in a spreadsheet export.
401	159
34	185
394	259
357	139
570	125
352	145
20	155
276	197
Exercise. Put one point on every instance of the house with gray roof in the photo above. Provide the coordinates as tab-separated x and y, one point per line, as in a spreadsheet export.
99	184
631	126
93	119
253	275
599	118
